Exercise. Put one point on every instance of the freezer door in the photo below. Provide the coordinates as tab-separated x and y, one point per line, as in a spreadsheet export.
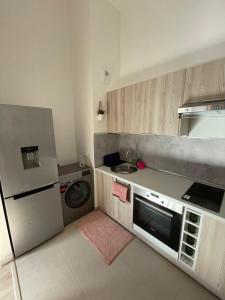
27	150
35	218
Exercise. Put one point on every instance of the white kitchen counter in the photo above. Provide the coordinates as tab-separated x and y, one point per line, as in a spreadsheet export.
171	185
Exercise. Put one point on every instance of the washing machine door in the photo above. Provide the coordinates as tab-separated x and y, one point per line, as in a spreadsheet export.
78	194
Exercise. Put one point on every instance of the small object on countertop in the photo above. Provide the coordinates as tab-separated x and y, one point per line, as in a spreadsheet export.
113	159
121	191
82	161
140	164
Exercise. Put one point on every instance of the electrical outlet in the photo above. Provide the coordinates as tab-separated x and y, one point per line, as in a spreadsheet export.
105	77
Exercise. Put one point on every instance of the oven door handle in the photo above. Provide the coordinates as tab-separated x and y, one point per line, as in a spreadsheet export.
155	208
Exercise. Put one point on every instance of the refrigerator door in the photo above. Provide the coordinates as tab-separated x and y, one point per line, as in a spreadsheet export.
27	151
34	218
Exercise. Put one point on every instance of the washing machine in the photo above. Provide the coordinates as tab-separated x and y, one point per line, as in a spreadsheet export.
77	191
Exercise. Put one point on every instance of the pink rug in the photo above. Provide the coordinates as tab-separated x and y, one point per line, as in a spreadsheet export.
105	234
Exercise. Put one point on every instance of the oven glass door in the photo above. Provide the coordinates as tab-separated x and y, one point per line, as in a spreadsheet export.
160	222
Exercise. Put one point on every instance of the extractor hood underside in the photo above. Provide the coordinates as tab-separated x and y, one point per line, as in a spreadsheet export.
214	108
203	119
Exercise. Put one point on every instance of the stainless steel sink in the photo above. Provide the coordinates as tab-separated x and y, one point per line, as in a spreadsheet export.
124	169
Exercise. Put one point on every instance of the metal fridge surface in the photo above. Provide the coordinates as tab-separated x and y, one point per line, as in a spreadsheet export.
34	218
22	128
29	176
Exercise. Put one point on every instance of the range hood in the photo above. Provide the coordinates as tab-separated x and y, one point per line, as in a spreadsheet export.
207	108
203	119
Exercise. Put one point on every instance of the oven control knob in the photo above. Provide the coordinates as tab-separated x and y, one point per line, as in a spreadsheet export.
162	202
148	195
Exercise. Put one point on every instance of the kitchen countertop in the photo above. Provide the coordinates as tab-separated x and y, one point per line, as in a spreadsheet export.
71	168
170	185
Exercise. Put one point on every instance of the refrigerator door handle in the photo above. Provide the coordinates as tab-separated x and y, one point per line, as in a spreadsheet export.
35	191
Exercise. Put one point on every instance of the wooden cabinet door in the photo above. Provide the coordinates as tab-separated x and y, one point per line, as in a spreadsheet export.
151	106
120	109
210	264
110	204
147	107
168	97
104	192
123	212
114	112
144	117
127	109
205	82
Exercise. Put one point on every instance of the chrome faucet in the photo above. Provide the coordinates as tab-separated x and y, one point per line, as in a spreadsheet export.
131	160
128	150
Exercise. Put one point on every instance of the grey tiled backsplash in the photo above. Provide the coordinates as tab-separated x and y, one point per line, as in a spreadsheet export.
200	159
105	143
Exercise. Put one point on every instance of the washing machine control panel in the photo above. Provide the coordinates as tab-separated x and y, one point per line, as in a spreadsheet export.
86	172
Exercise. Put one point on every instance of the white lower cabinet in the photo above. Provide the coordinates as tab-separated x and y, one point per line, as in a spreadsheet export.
210	264
110	204
190	238
104	192
202	247
123	212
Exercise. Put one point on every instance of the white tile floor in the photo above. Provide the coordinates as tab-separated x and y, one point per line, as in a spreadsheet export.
6	283
68	267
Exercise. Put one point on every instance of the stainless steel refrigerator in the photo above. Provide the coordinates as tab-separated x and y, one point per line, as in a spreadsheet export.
29	176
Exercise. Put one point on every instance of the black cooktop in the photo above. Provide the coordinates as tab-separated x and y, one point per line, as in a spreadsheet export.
205	195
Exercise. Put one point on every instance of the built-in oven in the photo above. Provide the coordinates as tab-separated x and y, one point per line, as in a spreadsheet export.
158	219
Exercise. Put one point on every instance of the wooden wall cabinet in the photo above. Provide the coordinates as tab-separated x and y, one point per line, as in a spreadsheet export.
120	110
167	100
114	111
151	106
110	204
147	107
210	264
205	82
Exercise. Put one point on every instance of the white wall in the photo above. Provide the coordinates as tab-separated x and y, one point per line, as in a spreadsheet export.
105	51
95	44
160	36
82	80
35	63
179	63
52	55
